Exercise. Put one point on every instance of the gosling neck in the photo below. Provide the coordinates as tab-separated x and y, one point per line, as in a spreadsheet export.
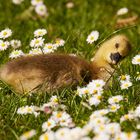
101	69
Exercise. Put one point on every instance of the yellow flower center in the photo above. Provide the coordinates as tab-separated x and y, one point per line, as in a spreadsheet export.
94	91
49	124
126	85
98	121
59	115
3	45
126	117
46	137
101	128
118	138
98	85
123	77
49	47
102	113
29	109
40	32
113	107
86	91
138	60
57	41
41	9
116	100
27	134
99	97
55	100
129	135
37	41
63	121
91	38
62	133
16	53
4	33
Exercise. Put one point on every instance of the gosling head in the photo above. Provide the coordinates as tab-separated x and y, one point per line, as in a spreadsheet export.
115	49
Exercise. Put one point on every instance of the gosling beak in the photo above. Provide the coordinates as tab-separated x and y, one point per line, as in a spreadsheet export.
115	57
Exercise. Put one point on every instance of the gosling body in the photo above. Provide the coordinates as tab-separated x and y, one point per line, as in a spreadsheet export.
56	71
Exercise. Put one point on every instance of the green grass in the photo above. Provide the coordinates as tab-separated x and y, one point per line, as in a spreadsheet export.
73	25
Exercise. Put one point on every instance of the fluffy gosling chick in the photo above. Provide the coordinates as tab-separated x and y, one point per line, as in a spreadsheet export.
109	54
55	71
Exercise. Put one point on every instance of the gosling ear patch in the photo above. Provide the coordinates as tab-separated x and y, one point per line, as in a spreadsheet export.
117	45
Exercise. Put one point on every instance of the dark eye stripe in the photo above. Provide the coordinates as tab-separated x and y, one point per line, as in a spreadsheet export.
117	45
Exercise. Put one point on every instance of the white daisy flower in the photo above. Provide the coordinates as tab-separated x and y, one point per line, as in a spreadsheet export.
70	5
5	33
48	48
113	128
99	121
47	136
48	125
17	2
54	100
138	126
85	138
62	118
41	10
77	133
95	100
95	90
93	36
36	2
126	117
27	110
40	32
114	107
83	91
15	43
88	128
115	99
57	115
37	42
27	135
126	85
4	45
99	84
99	113
128	136
137	111
138	76
118	137
47	108
136	60
65	120
122	11
100	129
63	134
16	53
103	136
59	42
35	51
124	78
96	87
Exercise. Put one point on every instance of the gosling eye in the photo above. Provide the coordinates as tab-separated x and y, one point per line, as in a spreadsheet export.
117	45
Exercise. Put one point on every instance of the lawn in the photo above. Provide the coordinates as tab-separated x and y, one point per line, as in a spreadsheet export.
73	25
